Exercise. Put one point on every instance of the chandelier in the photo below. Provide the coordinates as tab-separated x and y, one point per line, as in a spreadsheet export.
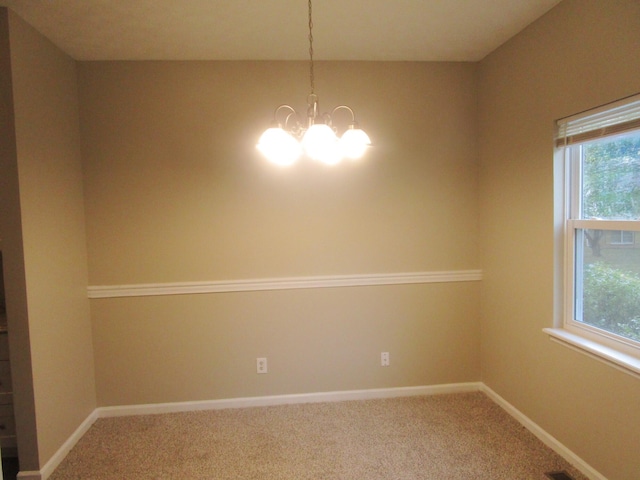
288	138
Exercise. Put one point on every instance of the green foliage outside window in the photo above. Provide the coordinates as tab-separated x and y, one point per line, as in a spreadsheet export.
612	300
611	191
611	179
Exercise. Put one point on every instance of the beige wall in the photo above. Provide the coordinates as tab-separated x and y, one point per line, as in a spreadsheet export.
13	260
176	192
580	55
202	347
56	327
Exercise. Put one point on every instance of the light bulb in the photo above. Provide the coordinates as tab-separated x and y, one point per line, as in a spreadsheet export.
354	143
321	143
279	146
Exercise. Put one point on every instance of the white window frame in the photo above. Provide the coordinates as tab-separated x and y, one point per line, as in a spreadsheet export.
620	352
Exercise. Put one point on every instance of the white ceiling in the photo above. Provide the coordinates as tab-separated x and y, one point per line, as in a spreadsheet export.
411	30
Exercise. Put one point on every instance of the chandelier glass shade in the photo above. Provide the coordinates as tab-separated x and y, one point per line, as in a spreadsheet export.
289	137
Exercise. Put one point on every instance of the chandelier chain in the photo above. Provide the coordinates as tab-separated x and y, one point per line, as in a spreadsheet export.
311	72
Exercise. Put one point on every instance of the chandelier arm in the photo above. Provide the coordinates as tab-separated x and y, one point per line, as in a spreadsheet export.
291	121
296	127
279	109
346	107
282	107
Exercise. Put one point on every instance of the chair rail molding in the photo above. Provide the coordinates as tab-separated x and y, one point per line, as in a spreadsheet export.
282	283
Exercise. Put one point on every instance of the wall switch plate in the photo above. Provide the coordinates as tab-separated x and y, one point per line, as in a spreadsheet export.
261	364
384	359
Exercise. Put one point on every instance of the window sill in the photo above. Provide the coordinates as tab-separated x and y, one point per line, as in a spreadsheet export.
622	361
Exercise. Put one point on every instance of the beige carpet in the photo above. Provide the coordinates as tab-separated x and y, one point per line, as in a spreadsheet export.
454	436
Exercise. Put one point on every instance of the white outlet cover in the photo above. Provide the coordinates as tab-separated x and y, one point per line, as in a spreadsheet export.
261	365
384	359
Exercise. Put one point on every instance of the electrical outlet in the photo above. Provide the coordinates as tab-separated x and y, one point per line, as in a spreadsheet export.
384	359
261	364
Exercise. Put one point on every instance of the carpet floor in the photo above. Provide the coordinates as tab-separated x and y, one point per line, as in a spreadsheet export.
439	437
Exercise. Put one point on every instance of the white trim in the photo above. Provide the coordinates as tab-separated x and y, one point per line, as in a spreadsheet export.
284	283
615	350
544	436
62	452
30	475
318	397
611	225
614	357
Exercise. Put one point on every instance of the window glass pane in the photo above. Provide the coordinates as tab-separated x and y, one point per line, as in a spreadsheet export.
621	237
608	281
611	178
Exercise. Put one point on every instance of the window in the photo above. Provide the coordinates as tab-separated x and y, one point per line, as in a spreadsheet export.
621	237
599	153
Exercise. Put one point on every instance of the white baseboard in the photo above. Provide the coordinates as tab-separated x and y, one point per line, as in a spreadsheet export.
544	436
127	410
62	452
29	475
338	396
